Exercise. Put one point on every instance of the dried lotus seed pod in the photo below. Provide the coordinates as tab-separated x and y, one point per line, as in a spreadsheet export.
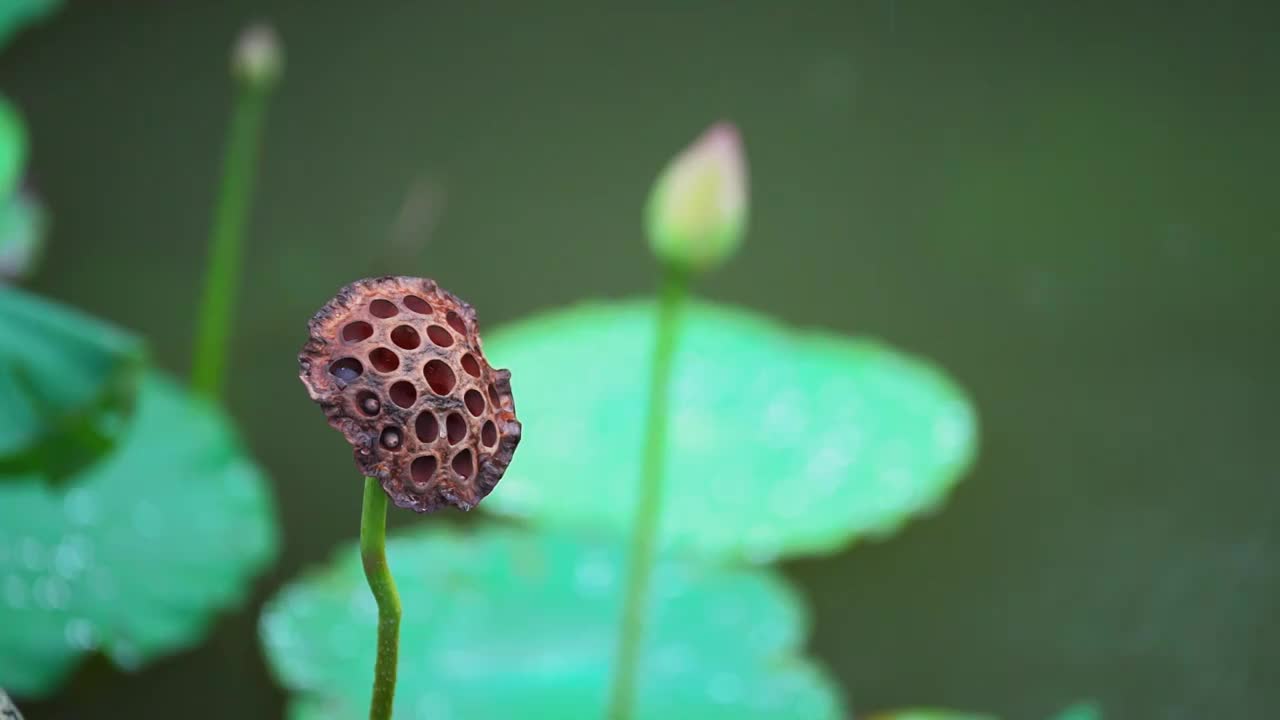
396	364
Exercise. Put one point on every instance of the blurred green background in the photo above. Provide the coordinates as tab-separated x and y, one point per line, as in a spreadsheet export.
1071	207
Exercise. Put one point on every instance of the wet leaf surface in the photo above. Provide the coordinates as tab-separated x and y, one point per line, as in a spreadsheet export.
67	386
782	442
133	555
501	623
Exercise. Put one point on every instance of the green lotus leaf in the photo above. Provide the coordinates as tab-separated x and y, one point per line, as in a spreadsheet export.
133	555
782	442
13	144
502	623
17	14
67	387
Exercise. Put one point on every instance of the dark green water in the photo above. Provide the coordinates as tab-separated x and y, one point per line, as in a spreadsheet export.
1070	206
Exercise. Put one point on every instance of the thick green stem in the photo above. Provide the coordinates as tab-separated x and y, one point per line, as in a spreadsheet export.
373	552
644	537
213	329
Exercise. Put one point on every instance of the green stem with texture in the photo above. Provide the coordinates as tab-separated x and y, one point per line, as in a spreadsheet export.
373	553
644	537
222	269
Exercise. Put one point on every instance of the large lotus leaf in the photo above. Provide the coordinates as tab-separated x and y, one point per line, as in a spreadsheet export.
22	227
781	442
13	142
133	555
502	623
16	14
67	386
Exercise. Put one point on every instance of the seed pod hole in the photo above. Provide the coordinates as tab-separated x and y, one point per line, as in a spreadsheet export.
455	322
470	366
383	360
403	393
368	403
455	428
405	337
474	402
357	331
439	336
422	469
346	369
494	398
489	434
391	438
462	464
426	427
382	309
418	305
439	377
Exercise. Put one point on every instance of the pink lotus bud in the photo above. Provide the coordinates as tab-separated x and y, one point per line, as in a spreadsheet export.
697	210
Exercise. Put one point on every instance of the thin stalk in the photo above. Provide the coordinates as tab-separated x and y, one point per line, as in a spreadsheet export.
222	270
644	536
373	553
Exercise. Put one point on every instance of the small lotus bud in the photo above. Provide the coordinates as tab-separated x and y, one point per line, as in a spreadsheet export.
697	210
257	58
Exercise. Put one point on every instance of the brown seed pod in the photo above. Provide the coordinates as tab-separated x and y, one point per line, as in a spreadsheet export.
396	364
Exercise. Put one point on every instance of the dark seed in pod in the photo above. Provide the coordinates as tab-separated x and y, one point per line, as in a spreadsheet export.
391	438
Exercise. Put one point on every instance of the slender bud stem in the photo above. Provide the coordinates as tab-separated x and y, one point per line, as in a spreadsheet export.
644	538
255	79
373	553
